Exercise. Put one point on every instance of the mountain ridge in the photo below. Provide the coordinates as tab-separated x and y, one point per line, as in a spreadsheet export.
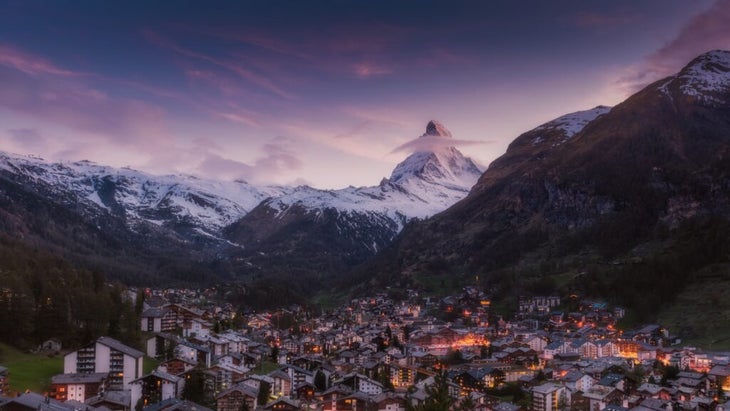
630	197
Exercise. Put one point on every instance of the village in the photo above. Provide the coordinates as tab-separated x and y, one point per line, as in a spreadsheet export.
385	354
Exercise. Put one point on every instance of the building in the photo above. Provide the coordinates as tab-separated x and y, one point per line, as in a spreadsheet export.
158	319
550	397
155	387
77	387
122	363
233	398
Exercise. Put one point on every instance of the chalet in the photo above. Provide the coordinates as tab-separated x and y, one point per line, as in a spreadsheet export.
155	387
158	319
35	402
283	404
389	401
233	398
332	395
361	383
107	355
112	400
177	366
550	397
305	391
77	387
282	383
600	397
720	377
353	402
578	381
226	376
176	404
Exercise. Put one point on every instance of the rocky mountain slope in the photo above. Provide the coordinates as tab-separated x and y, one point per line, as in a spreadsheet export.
626	202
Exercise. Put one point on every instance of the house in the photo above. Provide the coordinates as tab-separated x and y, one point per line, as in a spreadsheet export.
112	400
107	355
155	387
176	366
233	398
36	402
283	404
578	381
550	397
332	395
361	383
158	319
282	385
77	387
601	396
176	404
389	401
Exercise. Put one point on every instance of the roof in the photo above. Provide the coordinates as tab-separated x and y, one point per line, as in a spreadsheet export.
117	345
284	400
546	388
244	389
174	404
92	378
161	375
113	397
155	312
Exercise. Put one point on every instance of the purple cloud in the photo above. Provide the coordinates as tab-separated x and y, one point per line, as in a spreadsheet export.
27	138
706	31
277	160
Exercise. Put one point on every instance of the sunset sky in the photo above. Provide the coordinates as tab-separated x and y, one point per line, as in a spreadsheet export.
321	92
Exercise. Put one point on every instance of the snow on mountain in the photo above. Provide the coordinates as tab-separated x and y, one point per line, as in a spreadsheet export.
571	124
140	196
425	183
704	78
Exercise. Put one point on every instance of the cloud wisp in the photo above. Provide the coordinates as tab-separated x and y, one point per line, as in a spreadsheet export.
433	143
706	31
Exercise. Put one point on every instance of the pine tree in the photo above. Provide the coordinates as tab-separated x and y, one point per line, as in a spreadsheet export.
320	380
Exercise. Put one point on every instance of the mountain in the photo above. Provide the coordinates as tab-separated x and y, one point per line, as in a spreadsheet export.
309	231
95	213
630	203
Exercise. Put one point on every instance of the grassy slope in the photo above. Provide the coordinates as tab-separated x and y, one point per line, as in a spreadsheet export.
29	371
701	313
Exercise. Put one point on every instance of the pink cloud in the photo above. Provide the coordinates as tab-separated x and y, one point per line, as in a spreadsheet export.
30	139
72	102
362	51
370	69
233	66
31	64
704	32
277	160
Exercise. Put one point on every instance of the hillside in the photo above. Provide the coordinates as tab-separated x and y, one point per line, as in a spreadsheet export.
628	205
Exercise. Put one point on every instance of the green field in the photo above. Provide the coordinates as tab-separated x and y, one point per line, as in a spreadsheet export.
701	313
266	367
29	371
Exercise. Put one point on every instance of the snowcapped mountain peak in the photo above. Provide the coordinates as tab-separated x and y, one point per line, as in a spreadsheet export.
442	165
706	77
436	129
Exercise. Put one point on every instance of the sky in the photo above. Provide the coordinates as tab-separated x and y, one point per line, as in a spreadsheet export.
325	93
